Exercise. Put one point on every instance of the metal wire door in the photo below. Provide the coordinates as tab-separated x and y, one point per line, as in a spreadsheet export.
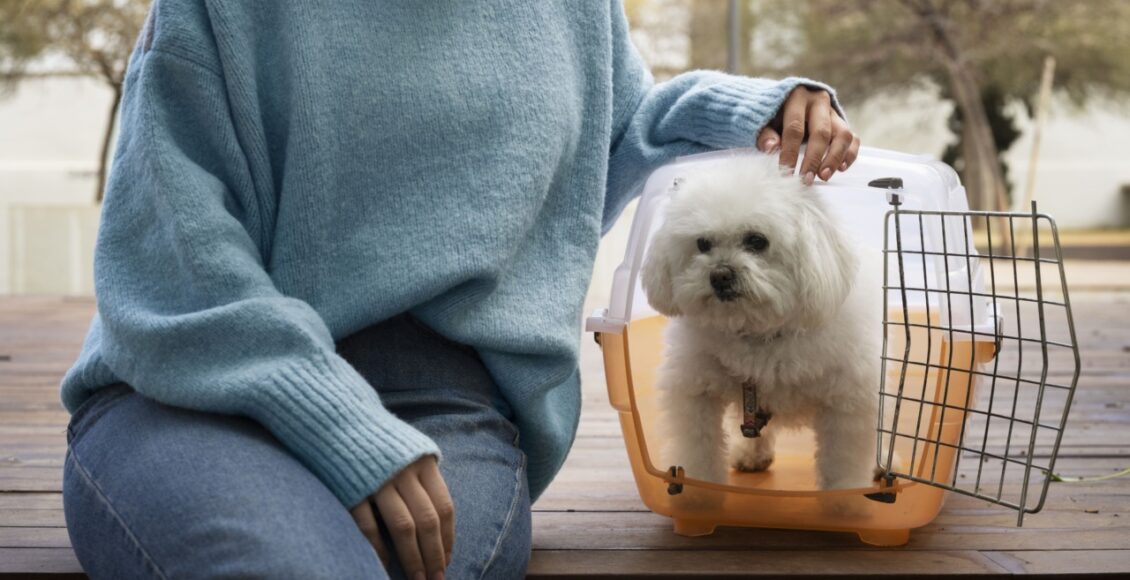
975	408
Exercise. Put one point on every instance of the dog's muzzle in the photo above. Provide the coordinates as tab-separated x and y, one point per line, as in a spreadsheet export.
724	280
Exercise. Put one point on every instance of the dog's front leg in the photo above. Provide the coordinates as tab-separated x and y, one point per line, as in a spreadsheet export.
845	448
692	426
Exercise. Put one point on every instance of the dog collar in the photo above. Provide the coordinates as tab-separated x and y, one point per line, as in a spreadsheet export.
754	418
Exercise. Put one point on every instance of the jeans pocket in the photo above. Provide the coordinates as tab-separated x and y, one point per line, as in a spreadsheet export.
85	413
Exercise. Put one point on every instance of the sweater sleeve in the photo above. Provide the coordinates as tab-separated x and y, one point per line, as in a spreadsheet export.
694	112
187	312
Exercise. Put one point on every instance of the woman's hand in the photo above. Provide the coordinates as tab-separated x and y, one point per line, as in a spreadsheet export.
808	114
417	510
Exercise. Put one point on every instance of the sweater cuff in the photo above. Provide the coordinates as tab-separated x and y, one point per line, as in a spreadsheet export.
328	415
738	107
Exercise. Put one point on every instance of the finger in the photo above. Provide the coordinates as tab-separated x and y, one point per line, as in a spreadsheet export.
768	140
402	527
834	159
367	522
819	137
852	153
428	535
792	126
436	487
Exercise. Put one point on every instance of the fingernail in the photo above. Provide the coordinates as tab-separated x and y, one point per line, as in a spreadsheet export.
809	178
770	145
843	166
826	173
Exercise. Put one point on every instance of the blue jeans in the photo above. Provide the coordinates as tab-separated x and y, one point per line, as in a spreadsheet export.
153	491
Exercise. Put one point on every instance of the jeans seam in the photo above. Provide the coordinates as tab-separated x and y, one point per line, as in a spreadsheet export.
109	507
506	524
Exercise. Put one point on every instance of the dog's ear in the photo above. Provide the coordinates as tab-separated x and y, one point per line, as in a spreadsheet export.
826	265
658	272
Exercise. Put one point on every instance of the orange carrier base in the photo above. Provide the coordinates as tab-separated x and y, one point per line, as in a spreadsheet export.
786	496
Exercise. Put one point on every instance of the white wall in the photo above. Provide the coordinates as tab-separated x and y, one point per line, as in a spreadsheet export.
50	135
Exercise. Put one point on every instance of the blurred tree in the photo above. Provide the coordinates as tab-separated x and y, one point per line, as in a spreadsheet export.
97	36
1002	124
983	54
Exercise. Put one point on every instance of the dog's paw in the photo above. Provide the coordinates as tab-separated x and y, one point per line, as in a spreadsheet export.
751	455
752	462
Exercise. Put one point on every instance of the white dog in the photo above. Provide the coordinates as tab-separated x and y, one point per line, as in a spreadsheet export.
763	290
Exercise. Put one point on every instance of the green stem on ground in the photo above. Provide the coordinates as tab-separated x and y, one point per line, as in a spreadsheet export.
1066	479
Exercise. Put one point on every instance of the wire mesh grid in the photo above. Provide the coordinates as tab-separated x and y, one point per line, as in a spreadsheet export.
980	357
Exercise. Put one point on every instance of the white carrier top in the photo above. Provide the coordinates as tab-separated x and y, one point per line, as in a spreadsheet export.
928	185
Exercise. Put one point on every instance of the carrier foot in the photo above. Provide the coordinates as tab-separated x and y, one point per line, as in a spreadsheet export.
884	537
693	527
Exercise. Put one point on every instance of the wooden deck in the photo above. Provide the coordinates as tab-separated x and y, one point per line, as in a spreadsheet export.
591	522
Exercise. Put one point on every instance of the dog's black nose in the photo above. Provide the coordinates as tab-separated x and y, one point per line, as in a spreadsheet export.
722	279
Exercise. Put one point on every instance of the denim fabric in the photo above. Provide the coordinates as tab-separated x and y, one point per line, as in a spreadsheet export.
154	491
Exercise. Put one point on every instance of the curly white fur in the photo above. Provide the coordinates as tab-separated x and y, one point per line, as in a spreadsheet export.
790	307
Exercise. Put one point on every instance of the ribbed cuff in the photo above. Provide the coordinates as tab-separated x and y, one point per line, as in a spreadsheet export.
736	108
328	415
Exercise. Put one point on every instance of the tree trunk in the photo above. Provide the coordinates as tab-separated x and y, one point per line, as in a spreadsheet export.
984	178
107	139
982	159
970	169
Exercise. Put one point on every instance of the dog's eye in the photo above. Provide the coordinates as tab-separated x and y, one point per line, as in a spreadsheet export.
756	242
704	245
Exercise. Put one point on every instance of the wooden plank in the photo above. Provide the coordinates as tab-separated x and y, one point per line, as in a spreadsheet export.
563	564
1064	561
32	518
1108	498
633	530
34	538
31	501
31	478
58	563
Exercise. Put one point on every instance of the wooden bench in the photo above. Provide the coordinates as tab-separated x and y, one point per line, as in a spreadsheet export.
591	523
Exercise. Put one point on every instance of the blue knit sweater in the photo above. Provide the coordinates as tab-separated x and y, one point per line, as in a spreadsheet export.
289	172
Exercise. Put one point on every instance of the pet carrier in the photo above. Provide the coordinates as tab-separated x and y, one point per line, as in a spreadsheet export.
979	361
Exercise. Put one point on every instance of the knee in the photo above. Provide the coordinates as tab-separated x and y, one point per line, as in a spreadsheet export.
265	519
294	552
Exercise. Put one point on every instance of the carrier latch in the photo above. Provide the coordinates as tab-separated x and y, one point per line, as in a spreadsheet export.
754	418
887	481
676	473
